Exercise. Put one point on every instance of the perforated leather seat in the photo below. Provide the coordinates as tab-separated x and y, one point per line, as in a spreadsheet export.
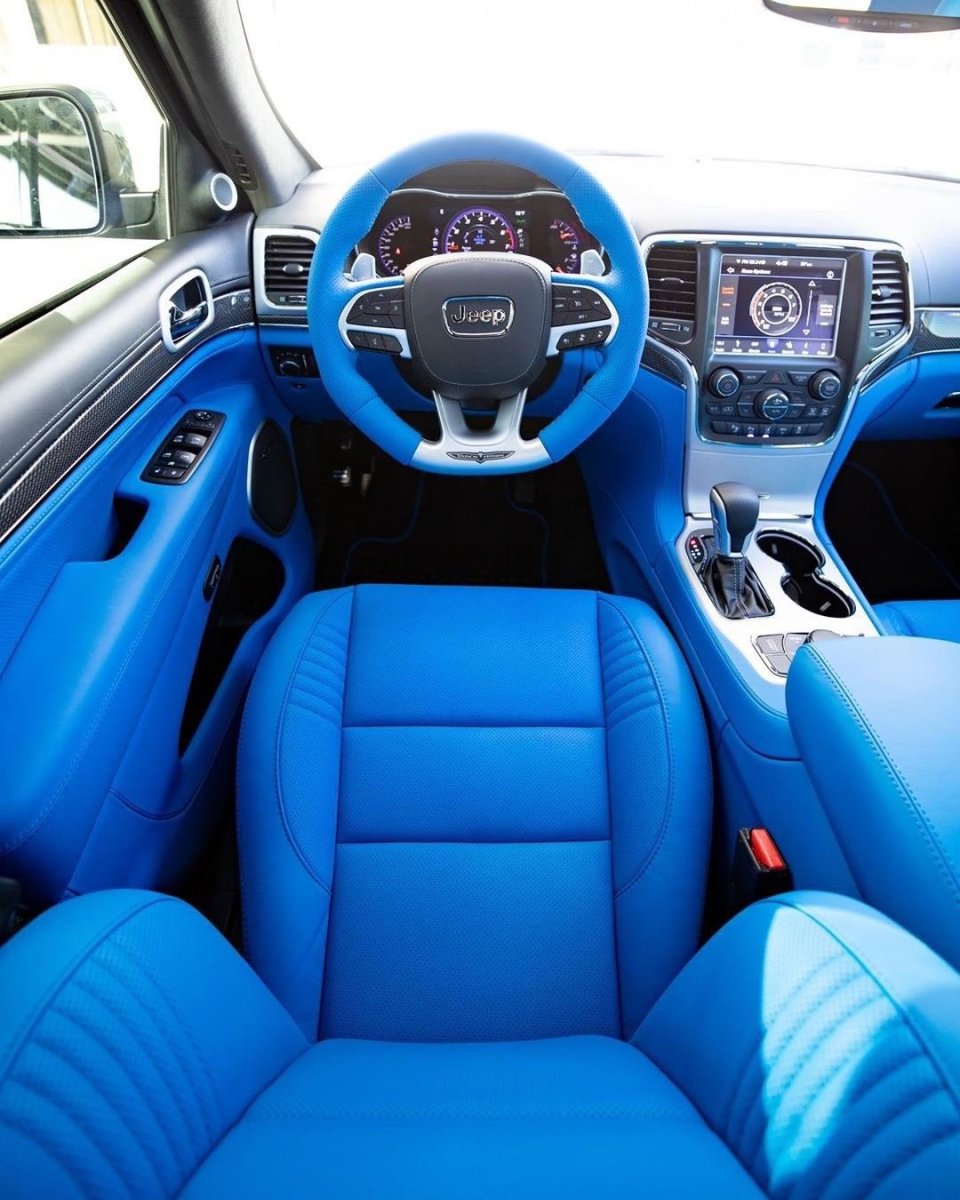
473	830
921	618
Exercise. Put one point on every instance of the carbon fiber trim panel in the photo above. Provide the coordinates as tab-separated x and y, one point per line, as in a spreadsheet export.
108	405
935	331
654	359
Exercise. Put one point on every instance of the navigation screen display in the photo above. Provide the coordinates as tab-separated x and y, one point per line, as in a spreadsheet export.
778	304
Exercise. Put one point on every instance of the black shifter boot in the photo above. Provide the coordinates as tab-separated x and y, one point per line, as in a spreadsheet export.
733	586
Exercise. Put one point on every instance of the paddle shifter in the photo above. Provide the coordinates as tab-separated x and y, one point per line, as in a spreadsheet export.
727	575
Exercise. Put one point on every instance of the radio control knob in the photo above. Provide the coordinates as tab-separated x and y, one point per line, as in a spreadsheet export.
724	383
773	404
825	385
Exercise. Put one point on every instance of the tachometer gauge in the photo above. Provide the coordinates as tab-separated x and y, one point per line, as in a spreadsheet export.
776	309
564	241
393	245
479	229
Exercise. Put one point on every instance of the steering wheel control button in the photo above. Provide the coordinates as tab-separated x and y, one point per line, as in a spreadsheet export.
380	309
724	382
584	337
182	451
577	305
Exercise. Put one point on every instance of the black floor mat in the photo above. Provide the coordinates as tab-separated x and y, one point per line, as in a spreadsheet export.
396	525
893	514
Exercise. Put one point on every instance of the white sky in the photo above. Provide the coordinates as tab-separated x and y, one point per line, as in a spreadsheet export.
710	78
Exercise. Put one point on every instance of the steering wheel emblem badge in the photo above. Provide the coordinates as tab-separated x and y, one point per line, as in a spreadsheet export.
478	316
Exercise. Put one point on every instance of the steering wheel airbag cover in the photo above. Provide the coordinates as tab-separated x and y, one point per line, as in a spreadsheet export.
514	290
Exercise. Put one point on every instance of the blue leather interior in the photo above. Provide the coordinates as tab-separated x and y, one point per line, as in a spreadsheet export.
810	1051
528	768
876	720
921	618
97	648
328	289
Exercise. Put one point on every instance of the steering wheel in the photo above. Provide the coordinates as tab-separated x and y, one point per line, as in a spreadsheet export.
480	326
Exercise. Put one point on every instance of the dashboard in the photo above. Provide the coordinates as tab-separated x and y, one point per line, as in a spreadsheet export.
417	222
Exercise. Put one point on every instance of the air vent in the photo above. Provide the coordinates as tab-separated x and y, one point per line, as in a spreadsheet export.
286	268
888	298
672	273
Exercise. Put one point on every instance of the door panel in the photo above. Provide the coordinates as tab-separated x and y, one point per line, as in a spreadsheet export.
102	604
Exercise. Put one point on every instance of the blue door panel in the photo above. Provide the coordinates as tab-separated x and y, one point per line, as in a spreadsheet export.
98	652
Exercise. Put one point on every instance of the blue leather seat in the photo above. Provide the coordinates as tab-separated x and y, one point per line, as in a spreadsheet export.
811	1050
876	723
921	618
473	830
527	768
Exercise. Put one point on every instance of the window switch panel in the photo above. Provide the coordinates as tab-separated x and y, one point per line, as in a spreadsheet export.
183	448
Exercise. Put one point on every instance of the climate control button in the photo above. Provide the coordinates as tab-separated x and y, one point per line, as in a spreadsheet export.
724	382
825	385
773	404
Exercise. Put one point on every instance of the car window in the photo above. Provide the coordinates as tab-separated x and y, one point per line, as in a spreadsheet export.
81	153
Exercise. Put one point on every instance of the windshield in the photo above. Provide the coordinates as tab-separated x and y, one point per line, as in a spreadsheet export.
687	78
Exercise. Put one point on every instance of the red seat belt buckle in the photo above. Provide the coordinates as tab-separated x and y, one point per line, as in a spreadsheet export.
759	868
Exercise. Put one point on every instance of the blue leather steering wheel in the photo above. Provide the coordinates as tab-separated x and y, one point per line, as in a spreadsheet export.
479	325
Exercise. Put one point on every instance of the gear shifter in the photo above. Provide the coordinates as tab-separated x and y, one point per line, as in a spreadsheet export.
734	509
728	577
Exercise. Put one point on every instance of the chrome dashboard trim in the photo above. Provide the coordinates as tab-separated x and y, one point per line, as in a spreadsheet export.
296	312
799	468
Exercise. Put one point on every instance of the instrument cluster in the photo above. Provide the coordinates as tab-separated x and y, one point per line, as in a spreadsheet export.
416	222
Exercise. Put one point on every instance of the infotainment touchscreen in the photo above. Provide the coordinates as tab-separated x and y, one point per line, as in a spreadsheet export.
778	304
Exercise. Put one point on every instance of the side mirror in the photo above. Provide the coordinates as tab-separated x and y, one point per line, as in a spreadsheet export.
875	16
64	163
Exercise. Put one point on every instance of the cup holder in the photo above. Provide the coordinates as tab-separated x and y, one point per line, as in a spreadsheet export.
802	580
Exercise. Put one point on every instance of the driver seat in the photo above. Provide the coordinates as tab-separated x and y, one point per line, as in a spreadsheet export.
473	830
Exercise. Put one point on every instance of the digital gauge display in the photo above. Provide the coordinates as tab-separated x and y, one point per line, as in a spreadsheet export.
778	304
417	223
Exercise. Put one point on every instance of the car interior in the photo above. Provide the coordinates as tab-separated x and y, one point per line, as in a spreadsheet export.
479	608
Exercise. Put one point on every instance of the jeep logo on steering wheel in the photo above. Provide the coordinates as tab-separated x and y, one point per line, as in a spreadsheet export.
477	316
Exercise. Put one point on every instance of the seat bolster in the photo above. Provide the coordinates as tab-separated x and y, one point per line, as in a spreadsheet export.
660	795
288	775
876	723
921	618
133	1038
822	1043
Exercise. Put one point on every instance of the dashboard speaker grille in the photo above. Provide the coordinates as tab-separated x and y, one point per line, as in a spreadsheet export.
286	269
888	296
672	274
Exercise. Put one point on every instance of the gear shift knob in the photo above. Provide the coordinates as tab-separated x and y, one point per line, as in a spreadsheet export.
734	510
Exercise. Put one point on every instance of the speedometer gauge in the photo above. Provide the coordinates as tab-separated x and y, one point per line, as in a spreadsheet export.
393	245
776	309
564	241
479	229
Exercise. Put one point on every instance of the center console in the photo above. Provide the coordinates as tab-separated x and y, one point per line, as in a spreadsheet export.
773	339
773	366
780	339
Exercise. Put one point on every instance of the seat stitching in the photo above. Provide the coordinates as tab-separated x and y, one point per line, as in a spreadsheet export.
606	767
55	1150
902	1106
883	756
33	1019
879	979
665	722
278	739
